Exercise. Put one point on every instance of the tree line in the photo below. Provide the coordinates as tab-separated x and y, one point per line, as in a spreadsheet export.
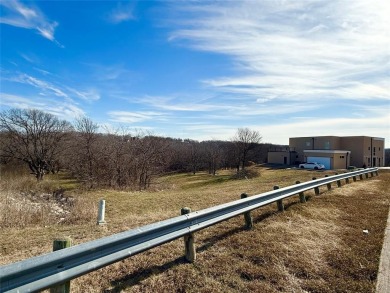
116	159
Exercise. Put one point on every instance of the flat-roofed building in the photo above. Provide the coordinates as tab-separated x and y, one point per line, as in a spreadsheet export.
334	152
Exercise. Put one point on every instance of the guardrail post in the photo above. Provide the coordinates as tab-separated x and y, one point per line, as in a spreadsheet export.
57	245
354	178
328	185
302	197
338	181
279	202
347	180
316	189
189	240
101	212
361	176
366	175
376	172
247	216
372	173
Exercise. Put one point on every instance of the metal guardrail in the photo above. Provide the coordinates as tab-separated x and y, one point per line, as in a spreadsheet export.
44	271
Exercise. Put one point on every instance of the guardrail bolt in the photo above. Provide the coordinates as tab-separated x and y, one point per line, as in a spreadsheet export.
279	202
58	244
189	241
302	197
247	216
316	189
101	212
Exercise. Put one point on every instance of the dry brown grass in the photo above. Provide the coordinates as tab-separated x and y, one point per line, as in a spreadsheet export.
314	247
24	202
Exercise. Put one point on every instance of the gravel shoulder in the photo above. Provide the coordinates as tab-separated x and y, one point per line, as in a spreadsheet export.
383	283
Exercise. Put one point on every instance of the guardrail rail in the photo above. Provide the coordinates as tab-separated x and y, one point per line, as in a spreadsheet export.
45	271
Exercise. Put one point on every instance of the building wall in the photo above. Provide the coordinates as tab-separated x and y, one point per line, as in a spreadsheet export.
365	150
341	160
313	143
279	157
338	159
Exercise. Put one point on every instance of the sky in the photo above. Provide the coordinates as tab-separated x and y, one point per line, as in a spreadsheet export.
202	69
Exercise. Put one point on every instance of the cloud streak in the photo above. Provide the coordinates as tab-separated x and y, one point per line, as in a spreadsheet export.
135	117
122	13
20	15
299	50
64	109
47	88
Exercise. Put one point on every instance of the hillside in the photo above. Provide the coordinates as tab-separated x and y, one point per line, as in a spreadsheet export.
315	247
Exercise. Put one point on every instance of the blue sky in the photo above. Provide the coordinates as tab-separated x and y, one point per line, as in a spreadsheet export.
201	69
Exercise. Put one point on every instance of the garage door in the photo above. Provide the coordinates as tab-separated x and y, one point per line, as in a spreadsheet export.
320	160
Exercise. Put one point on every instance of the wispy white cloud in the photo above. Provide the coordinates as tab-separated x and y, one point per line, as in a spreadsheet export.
64	109
370	125
15	101
47	88
183	103
122	12
25	16
294	50
87	95
135	117
40	84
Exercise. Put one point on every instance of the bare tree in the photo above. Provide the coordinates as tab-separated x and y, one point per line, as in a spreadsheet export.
84	151
151	158
34	137
213	154
196	155
244	140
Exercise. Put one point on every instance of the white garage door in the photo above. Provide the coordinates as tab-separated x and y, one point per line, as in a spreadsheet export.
320	160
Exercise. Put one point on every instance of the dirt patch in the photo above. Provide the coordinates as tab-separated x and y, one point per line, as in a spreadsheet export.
25	208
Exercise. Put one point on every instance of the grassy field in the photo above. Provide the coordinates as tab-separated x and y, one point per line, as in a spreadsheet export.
314	247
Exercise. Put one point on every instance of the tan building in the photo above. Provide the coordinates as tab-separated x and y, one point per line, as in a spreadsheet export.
333	151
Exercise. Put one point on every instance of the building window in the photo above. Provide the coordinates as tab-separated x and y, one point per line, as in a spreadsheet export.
327	145
379	148
369	148
308	143
374	149
341	157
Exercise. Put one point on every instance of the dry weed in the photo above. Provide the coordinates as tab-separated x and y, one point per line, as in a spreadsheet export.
314	247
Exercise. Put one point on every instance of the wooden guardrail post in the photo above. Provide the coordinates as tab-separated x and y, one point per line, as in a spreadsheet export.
328	185
338	181
361	176
354	178
189	241
366	175
247	216
316	189
376	172
279	202
347	180
372	173
58	244
302	197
